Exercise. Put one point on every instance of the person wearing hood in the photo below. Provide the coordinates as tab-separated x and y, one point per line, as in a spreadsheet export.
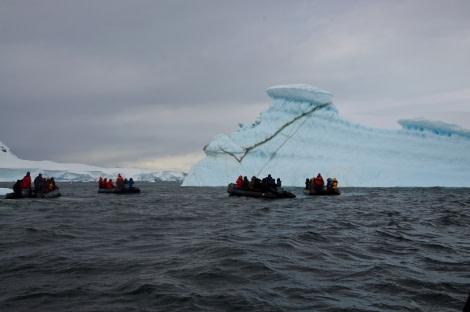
110	184
240	182
319	183
37	182
245	183
51	185
26	182
120	182
130	183
329	184
334	184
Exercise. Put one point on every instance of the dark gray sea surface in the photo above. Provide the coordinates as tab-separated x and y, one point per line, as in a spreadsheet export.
174	248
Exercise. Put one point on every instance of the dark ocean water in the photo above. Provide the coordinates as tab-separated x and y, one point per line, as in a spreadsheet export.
175	248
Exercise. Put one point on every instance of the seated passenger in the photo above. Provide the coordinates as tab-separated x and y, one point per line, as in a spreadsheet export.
319	183
272	183
110	184
119	182
264	185
52	186
269	180
17	189
130	183
42	186
26	182
240	182
37	182
245	183
334	185
101	183
257	185
312	184
329	184
267	185
251	185
278	182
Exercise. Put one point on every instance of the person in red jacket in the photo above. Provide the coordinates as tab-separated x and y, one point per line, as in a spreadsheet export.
240	182
319	183
101	183
110	184
26	182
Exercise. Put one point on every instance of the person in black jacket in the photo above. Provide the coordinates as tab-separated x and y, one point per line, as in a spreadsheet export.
37	182
17	188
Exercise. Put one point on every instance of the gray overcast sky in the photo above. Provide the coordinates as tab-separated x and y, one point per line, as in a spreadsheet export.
149	83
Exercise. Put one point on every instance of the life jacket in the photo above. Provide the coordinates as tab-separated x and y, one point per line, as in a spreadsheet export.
335	184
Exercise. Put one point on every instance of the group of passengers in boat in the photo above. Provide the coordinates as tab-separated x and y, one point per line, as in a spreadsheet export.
121	183
267	184
318	184
41	185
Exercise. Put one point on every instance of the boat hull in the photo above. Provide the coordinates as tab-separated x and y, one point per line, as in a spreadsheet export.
322	193
52	194
131	190
29	194
279	193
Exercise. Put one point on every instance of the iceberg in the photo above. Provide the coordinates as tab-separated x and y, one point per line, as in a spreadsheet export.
302	134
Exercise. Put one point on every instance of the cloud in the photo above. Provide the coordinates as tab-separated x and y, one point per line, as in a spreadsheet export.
171	162
162	78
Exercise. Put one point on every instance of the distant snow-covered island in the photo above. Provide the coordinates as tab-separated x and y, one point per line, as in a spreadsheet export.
13	168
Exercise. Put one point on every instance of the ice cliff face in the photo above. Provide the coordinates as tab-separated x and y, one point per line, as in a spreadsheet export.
301	134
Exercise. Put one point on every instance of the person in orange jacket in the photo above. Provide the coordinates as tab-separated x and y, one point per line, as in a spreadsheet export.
120	182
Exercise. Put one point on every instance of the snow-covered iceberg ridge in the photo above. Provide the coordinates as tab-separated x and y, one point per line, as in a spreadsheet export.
12	168
302	134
